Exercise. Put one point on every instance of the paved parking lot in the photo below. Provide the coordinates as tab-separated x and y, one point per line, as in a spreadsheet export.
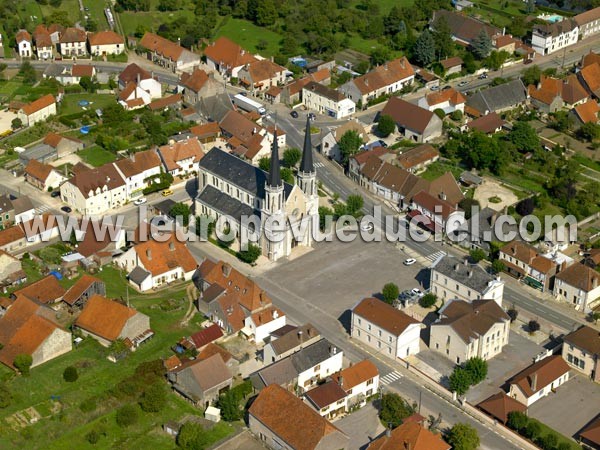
338	275
574	404
361	426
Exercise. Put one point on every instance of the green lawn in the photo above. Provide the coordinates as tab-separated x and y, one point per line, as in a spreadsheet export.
150	20
96	12
70	103
248	35
96	156
97	376
71	7
9	87
30	12
438	168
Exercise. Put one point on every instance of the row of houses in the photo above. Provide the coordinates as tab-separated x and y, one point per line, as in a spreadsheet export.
69	42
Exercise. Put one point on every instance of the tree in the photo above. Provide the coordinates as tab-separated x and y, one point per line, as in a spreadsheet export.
477	368
463	436
524	137
596	316
517	420
477	254
324	212
192	436
530	6
287	175
532	430
386	125
533	326
168	5
394	409
428	300
424	49
182	212
525	206
70	374
89	84
28	73
390	293
354	205
229	404
93	436
23	363
291	157
443	38
589	131
549	442
561	121
5	396
531	75
495	59
468	205
460	381
251	255
513	314
264	163
127	415
16	123
154	398
349	144
482	44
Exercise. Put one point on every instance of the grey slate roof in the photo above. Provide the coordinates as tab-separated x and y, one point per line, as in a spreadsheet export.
138	275
470	275
274	176
281	372
307	166
223	203
54	70
215	107
237	172
312	355
507	95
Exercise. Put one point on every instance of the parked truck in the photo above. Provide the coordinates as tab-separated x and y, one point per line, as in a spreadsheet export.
247	104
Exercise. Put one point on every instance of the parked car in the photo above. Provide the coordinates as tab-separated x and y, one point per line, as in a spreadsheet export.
528	61
435	88
66	209
417	292
382	143
409	261
294	114
447	87
312	116
140	201
463	83
167	192
483	76
55	194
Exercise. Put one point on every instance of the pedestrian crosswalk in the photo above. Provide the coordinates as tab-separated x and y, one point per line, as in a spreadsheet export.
42	209
434	256
389	378
319	164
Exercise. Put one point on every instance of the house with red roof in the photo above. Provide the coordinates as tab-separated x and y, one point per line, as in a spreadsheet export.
42	176
24	47
30	328
448	100
168	54
181	158
153	264
414	122
83	289
137	170
552	94
106	43
435	212
539	379
198	84
227	57
38	110
359	381
258	76
523	261
586	112
44	47
259	325
73	43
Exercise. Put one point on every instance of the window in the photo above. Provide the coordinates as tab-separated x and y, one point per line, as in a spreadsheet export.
359	321
389	339
369	382
378	344
369	327
358	332
317	367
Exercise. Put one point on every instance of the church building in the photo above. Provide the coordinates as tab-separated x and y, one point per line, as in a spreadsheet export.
233	188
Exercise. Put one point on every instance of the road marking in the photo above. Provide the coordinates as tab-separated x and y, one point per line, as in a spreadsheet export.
319	164
390	378
42	209
434	256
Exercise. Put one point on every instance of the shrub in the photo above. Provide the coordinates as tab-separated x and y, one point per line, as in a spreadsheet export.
497	266
428	300
93	437
456	115
513	314
154	398
517	420
386	125
251	254
533	326
390	293
439	112
463	436
460	381
532	430
23	363
70	374
126	416
5	396
88	405
477	255
477	368
394	409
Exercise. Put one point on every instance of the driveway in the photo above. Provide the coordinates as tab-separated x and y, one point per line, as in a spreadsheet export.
361	426
574	404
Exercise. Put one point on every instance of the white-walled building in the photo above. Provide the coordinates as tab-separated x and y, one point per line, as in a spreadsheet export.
38	110
23	40
552	37
578	285
317	362
588	22
360	381
227	57
258	326
106	43
326	100
539	380
388	330
73	43
181	158
137	170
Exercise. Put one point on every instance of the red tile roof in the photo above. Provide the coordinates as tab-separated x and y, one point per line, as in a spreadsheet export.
580	276
103	317
11	234
73	35
46	290
356	374
264	69
161	257
447	95
487	124
162	46
227	53
22	35
38	170
105	38
588	111
206	130
173	154
384	316
448	63
165	102
409	435
39	104
591	432
384	75
138	163
206	336
499	405
408	115
417	155
131	72
325	394
424	200
194	81
82	70
544	372
75	292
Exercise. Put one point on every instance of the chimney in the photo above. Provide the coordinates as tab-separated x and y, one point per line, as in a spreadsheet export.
107	179
226	269
534	382
138	78
171	246
470	274
388	432
456	267
442	195
149	254
341	381
308	331
406	445
300	335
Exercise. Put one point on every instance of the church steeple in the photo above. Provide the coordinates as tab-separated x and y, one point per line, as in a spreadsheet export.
307	166
274	179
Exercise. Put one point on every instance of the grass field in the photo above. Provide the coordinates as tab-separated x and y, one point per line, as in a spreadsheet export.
249	35
438	168
96	12
70	103
150	20
96	156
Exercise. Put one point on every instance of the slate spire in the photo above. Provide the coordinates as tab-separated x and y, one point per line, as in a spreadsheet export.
306	165
274	179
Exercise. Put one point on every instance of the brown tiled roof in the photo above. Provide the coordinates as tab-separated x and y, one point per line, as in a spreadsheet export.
294	338
587	16
90	244
42	37
23	328
46	290
591	76
296	86
39	104
273	91
209	129
417	155
76	291
214	349
82	70
266	315
127	91
103	317
138	163
325	394
350	125
53	139
162	46
209	372
447	95
239	126
555	29
486	124
384	75
464	27
291	419
11	234
135	102
22	35
230	305
194	81
178	151
38	170
572	90
471	320
569	90
206	336
321	75
105	38
585	338
591	432
172	363
92	179
590	58
410	435
264	69
503	40
580	276
434	204
499	405
226	52
362	157
356	374
588	111
324	91
384	316
408	115
72	34
165	256
547	370
445	185
164	102
131	72
451	62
